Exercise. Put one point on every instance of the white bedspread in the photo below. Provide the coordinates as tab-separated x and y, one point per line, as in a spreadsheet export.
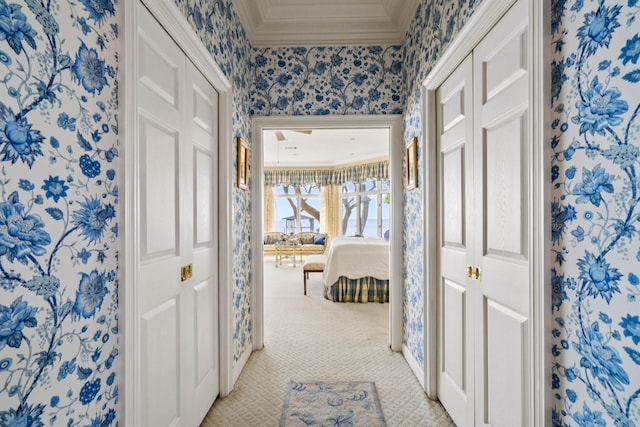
356	257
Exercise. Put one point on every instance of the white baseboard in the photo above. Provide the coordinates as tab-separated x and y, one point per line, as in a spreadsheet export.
413	364
239	366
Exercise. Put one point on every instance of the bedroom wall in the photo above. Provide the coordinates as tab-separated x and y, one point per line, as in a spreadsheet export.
594	149
218	26
58	213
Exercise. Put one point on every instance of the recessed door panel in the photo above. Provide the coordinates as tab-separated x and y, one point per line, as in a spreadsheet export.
453	175
205	345
160	350
506	64
506	357
159	174
203	202
505	187
454	329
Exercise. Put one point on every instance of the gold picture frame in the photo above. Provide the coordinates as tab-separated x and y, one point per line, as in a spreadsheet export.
412	163
243	163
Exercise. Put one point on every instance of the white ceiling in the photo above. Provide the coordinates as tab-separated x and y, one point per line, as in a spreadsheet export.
325	147
273	23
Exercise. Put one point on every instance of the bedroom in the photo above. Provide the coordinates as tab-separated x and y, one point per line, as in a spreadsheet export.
323	185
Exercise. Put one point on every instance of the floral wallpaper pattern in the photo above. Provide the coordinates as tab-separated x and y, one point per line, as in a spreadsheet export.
58	206
433	27
595	100
218	27
327	80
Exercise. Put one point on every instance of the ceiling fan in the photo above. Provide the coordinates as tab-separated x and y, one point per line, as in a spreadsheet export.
281	137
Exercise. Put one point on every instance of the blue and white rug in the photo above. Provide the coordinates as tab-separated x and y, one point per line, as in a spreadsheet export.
327	403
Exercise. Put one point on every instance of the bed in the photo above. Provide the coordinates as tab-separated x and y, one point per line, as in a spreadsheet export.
357	270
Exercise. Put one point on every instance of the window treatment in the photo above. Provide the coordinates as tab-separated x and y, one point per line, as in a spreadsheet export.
322	177
269	208
330	210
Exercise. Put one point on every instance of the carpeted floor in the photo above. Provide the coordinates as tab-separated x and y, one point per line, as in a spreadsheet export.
308	337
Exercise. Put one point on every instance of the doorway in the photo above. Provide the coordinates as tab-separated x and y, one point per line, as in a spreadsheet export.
394	125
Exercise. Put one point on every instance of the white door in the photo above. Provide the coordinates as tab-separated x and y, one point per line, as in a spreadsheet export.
484	191
455	199
177	375
502	221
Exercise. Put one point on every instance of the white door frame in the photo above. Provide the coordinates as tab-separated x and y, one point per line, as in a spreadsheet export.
181	31
394	123
483	19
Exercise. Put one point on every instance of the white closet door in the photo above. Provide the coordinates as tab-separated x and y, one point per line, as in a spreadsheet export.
502	221
455	199
177	360
201	353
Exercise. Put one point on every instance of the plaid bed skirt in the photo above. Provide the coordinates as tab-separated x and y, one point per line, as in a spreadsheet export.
365	289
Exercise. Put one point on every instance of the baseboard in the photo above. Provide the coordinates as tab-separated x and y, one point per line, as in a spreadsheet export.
239	366
413	364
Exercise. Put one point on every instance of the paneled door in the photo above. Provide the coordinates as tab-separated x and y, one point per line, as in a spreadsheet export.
455	200
485	228
177	360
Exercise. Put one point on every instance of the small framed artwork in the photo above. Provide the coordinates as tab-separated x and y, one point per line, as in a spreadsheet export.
412	163
243	163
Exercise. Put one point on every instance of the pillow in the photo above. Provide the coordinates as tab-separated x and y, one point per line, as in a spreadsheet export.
306	238
319	240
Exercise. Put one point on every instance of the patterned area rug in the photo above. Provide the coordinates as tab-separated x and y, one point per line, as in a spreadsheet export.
326	403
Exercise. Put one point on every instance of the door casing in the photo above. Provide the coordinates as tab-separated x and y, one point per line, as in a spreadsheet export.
481	22
176	25
394	124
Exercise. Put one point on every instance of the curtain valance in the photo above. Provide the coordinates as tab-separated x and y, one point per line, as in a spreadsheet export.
300	176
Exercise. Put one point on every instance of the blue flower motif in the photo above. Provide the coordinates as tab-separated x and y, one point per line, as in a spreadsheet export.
25	415
557	12
558	77
560	215
282	103
599	108
588	418
602	360
5	363
89	391
336	82
599	279
283	79
631	51
558	293
14	27
21	235
66	122
25	185
90	294
90	168
631	326
598	27
68	367
55	188
320	67
13	320
593	184
92	218
98	9
359	78
20	141
89	69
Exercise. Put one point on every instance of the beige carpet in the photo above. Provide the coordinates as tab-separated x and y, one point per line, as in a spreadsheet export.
310	338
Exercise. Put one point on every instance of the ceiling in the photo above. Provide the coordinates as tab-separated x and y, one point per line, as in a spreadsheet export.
273	23
324	147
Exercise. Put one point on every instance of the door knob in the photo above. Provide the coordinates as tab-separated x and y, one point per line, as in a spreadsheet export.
476	273
186	272
469	271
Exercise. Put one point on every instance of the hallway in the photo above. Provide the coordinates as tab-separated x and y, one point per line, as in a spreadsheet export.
308	337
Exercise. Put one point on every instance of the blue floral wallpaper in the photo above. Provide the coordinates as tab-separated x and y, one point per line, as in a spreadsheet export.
58	207
218	27
595	144
327	80
433	27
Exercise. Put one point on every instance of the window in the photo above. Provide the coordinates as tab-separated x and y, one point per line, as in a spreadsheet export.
365	208
297	208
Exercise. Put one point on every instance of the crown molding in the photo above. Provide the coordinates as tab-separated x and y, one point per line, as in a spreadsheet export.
275	23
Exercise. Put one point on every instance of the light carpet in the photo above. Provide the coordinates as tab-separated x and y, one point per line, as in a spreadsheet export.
311	337
326	403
